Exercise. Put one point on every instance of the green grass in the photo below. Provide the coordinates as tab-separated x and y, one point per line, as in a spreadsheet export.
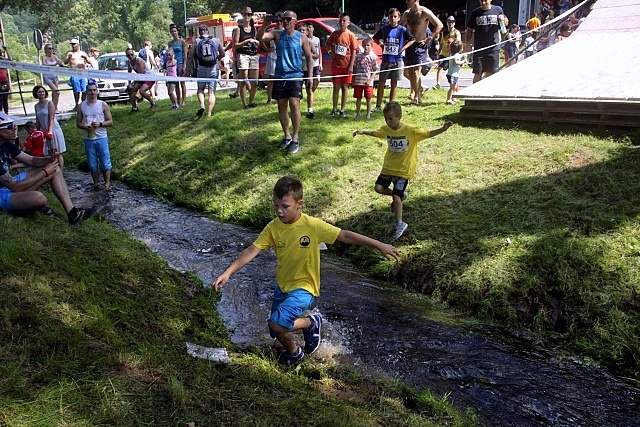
566	198
93	332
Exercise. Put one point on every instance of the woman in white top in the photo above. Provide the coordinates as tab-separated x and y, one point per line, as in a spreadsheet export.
50	58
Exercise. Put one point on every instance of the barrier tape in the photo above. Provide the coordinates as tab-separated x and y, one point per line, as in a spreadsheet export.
111	75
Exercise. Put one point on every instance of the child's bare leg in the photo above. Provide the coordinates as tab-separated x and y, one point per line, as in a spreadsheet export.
358	104
285	336
452	88
368	106
392	91
397	207
381	190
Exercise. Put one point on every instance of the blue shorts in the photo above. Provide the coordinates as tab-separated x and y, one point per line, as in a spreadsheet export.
5	193
97	150
452	79
79	84
287	307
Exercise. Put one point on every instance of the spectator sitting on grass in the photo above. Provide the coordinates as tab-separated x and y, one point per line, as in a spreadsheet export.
18	194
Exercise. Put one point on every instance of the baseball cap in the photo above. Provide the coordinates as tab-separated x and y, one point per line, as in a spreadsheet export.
73	41
203	27
5	120
451	19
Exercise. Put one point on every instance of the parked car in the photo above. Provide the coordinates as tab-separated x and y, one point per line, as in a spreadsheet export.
113	90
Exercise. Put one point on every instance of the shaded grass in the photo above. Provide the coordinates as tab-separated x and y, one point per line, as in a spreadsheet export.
527	225
93	332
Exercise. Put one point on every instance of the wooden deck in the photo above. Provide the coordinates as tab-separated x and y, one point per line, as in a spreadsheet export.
588	78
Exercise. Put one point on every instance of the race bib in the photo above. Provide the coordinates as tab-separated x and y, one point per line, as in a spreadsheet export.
398	144
390	49
341	50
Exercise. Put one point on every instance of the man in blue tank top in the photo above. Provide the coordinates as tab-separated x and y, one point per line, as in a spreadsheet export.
292	47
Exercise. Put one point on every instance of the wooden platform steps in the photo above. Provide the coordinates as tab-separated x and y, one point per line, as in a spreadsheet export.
588	112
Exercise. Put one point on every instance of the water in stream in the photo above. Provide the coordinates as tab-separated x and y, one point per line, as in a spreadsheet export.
381	330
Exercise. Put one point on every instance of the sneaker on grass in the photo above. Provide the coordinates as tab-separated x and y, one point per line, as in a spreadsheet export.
287	359
77	216
312	334
285	143
293	147
401	227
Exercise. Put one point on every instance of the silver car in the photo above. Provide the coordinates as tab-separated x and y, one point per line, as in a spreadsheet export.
113	90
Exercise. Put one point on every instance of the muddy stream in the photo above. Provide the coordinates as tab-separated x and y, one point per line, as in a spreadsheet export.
382	331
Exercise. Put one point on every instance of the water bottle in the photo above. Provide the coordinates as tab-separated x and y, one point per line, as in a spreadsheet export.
503	29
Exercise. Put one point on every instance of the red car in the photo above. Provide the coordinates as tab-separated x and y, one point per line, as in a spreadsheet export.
322	29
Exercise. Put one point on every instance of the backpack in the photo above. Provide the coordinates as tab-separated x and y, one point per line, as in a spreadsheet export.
143	54
207	52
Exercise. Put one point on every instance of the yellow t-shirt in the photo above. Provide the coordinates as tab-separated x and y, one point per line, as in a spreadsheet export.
297	248
401	158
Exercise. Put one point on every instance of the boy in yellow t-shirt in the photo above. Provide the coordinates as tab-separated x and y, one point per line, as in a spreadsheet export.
401	159
295	238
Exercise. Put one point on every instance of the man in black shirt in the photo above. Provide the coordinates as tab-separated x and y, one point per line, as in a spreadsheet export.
484	24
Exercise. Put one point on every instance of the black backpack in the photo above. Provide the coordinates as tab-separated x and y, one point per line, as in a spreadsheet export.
207	52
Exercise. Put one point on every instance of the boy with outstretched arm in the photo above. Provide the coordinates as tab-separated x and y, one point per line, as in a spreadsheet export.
296	238
401	159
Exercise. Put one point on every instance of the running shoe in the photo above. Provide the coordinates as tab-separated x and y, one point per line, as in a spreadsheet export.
293	147
401	227
287	359
77	216
334	113
285	143
310	115
312	334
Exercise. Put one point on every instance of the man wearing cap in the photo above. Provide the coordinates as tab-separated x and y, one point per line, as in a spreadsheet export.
138	65
208	53
292	47
18	194
76	58
246	50
93	58
447	36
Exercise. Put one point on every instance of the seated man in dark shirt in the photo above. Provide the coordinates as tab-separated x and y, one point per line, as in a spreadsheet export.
18	193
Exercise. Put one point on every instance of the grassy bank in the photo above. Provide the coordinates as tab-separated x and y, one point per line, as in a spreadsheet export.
527	225
93	333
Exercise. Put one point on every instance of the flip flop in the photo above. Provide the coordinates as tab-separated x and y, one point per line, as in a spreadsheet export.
200	112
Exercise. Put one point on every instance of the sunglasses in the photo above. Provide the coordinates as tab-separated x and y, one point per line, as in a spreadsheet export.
48	48
287	18
7	126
